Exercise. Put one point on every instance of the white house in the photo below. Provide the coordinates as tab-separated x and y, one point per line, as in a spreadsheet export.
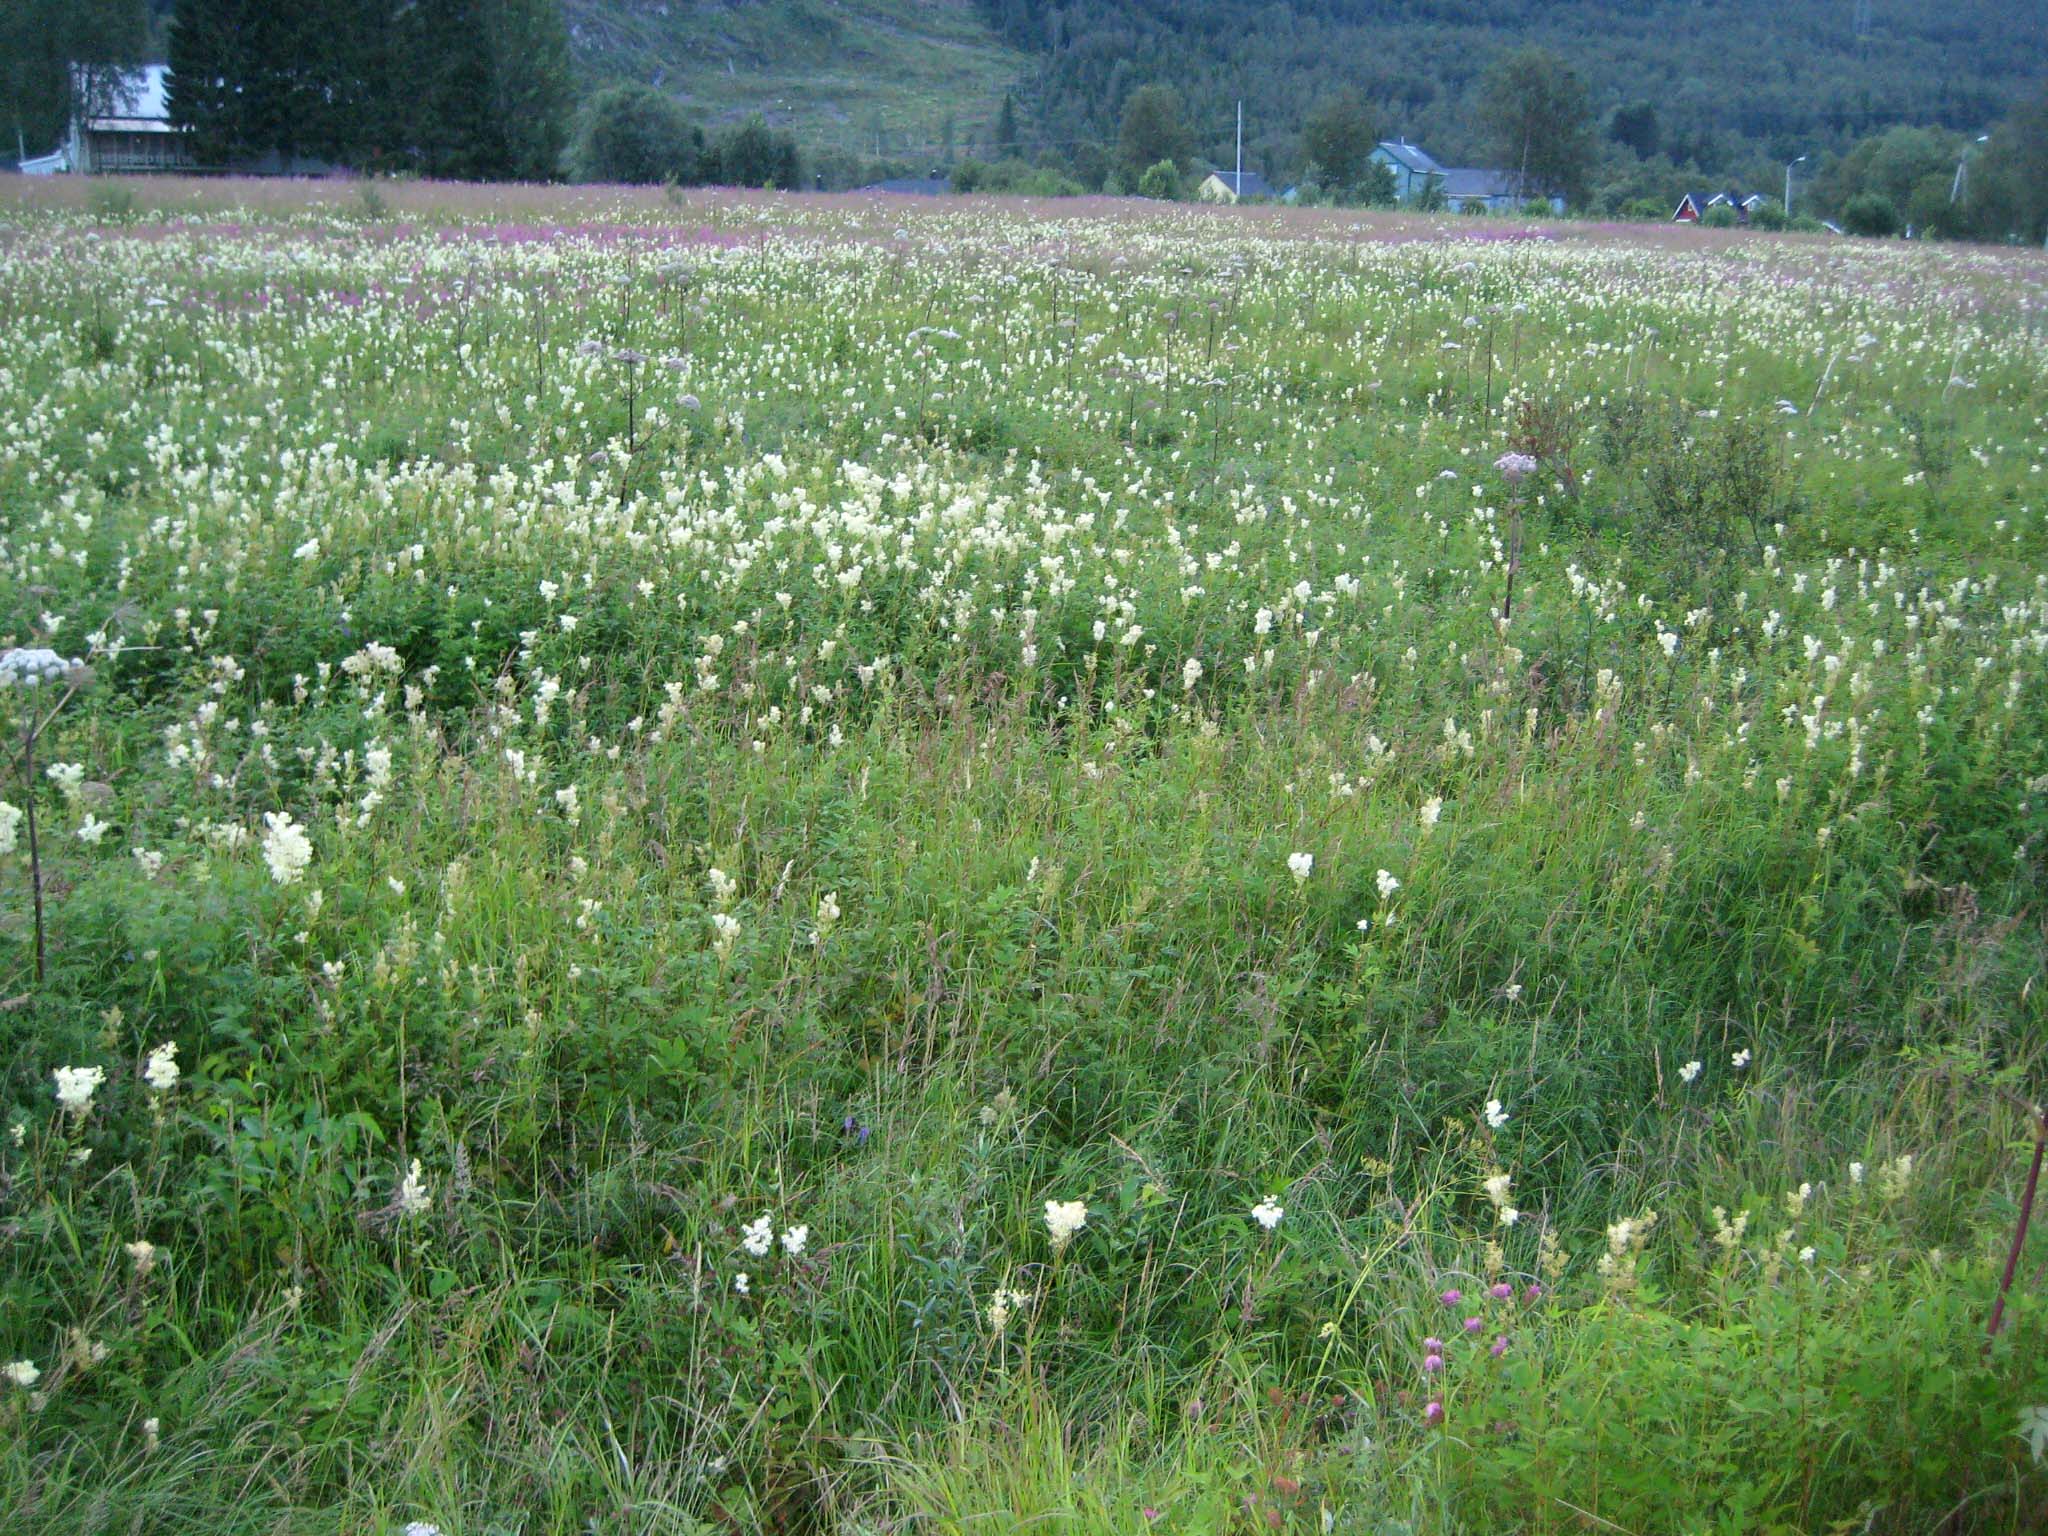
122	123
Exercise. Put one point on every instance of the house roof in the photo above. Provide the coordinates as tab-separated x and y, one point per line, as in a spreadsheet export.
1412	156
135	100
1244	183
1472	181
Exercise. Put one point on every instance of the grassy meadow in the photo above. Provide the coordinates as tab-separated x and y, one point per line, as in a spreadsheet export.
819	865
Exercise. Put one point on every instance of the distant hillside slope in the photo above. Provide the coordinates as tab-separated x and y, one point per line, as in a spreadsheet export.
1723	75
859	75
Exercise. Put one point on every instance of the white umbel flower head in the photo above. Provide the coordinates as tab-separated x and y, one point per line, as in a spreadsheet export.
1267	1213
26	666
22	1373
1063	1218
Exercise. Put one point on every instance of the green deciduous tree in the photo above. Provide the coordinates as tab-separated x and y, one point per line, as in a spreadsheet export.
1338	138
1152	130
634	133
1539	122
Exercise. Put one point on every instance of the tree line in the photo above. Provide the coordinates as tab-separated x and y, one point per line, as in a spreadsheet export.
474	89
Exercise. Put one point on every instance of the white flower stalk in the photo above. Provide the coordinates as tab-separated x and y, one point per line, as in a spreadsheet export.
413	1198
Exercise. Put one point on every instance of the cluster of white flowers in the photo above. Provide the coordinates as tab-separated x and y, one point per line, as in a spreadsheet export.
161	1070
286	848
1267	1212
76	1086
413	1198
1064	1218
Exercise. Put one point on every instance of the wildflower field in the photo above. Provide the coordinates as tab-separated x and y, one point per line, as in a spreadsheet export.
735	864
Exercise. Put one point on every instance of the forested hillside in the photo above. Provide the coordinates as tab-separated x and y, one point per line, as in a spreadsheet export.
1726	77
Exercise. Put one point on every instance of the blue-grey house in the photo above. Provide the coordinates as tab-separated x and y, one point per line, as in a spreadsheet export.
1465	189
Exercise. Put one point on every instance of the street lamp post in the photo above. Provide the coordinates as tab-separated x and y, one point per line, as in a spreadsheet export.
1788	185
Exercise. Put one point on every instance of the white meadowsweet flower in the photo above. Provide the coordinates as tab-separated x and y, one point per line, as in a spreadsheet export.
795	1240
413	1198
1432	811
757	1237
161	1071
91	830
1267	1213
1496	1114
743	1282
1689	1071
1386	884
22	1373
1740	1059
1299	865
286	848
11	817
76	1086
1063	1218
